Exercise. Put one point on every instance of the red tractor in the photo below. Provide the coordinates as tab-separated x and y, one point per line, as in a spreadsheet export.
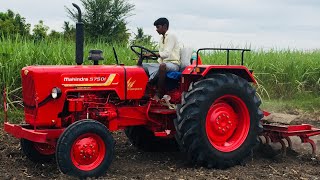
211	112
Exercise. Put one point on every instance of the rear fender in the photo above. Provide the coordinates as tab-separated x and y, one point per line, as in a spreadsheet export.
243	73
205	70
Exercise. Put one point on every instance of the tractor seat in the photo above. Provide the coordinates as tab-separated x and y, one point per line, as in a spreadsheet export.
185	58
174	75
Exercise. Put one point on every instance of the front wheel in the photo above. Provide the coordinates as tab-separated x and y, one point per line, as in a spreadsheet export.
218	121
85	149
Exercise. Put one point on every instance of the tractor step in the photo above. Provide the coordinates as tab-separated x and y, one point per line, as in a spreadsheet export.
165	133
278	133
162	111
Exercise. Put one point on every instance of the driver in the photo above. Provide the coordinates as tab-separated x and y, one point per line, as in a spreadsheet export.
169	56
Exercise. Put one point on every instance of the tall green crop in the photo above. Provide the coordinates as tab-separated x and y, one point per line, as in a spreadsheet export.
280	73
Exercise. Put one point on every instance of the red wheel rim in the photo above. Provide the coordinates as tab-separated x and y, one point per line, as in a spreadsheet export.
88	151
45	149
227	123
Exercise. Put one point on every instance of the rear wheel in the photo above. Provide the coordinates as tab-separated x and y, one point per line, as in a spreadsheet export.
85	149
37	152
218	121
144	139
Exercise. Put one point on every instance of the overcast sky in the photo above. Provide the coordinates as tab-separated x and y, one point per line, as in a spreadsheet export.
263	24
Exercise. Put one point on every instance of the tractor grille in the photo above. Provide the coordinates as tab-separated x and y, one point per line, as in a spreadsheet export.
29	95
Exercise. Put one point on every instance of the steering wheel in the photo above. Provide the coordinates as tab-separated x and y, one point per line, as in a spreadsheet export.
143	51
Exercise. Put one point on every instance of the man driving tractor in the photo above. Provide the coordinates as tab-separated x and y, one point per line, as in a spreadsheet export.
169	56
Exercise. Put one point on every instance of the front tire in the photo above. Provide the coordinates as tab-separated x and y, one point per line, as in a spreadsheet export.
85	149
218	121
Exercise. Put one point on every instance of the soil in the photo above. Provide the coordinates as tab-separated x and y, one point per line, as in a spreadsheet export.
130	163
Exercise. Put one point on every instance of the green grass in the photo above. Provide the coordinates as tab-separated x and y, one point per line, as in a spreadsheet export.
281	74
305	103
15	116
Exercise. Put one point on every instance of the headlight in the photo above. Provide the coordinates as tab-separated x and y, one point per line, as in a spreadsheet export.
55	93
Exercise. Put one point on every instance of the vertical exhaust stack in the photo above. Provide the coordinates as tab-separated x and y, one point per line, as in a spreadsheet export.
79	37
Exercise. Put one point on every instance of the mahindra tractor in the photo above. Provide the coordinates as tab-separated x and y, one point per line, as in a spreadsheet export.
210	112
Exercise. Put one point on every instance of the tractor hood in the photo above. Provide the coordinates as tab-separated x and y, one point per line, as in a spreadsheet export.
93	77
69	77
38	82
54	69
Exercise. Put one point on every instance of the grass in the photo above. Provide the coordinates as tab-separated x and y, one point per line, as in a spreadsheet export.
307	104
14	116
281	74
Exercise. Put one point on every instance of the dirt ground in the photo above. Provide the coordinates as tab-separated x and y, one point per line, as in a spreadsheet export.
130	163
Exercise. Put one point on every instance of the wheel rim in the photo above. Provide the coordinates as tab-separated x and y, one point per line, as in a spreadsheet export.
45	149
88	151
227	123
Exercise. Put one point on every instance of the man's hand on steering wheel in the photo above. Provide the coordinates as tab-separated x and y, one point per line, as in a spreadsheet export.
149	55
144	54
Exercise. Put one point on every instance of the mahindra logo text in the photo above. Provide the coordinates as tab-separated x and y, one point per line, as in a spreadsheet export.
75	79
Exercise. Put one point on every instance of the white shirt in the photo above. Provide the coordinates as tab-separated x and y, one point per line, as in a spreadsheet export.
169	49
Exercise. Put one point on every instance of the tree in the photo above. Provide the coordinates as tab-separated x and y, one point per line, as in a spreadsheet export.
55	35
105	19
143	39
40	31
69	31
12	24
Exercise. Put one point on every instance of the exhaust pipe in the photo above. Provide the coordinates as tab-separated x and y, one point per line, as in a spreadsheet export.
79	37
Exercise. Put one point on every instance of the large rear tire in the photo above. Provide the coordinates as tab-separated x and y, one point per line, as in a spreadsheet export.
218	121
144	139
85	149
37	152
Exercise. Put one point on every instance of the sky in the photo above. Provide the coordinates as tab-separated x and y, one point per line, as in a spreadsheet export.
255	24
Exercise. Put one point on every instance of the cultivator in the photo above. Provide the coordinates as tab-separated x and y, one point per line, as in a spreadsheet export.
278	133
